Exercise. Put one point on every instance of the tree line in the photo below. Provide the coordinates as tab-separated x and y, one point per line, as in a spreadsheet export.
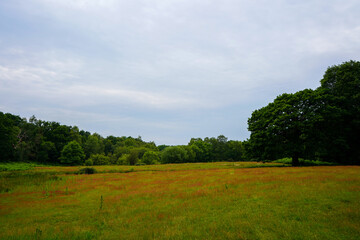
321	124
34	140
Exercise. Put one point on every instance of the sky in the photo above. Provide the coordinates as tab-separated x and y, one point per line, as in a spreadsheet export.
169	70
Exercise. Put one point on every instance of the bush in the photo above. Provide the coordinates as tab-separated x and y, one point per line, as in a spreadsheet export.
87	170
15	166
304	162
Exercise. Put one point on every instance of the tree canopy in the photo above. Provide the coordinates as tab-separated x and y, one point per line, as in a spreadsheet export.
72	154
283	127
321	123
340	88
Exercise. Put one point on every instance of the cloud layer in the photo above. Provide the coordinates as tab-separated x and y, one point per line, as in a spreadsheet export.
166	70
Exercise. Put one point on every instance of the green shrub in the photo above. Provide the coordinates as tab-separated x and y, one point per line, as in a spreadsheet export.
304	162
17	166
87	170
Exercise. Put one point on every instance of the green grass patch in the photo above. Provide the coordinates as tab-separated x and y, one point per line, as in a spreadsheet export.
19	179
18	166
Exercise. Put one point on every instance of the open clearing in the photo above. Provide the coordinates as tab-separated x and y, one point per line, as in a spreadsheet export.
182	201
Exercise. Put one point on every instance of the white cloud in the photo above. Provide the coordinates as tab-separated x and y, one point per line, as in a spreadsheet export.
102	95
83	5
45	84
26	76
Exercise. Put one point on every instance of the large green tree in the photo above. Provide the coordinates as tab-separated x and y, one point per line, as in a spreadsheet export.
283	128
321	124
201	149
72	154
340	88
94	145
174	154
9	136
235	151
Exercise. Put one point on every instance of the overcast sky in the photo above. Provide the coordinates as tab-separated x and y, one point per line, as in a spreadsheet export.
167	70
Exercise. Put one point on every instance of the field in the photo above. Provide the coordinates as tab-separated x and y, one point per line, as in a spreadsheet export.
182	201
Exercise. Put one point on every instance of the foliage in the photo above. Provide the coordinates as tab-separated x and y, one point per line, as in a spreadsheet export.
46	152
132	158
93	145
304	162
318	124
339	132
99	159
72	154
201	148
41	141
123	160
151	157
8	135
87	170
283	127
175	154
17	166
89	162
217	149
162	147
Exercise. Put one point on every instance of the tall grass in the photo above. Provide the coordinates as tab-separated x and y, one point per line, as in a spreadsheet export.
18	166
160	167
214	203
9	181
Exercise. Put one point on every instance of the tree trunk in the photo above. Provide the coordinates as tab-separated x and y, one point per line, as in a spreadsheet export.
295	160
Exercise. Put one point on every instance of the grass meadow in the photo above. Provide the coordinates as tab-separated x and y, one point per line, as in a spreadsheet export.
182	201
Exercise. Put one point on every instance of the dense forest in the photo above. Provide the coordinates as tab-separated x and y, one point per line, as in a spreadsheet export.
40	141
321	124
